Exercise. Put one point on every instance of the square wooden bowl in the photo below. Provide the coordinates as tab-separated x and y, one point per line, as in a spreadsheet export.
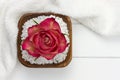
28	16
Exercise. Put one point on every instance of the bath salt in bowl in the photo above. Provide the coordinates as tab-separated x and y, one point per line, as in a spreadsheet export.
44	40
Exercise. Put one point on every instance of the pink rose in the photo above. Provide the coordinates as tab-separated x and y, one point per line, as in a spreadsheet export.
45	39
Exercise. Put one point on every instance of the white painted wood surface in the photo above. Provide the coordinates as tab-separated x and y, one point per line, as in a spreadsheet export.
79	69
94	58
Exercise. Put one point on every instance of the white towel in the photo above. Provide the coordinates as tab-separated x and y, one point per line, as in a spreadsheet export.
97	15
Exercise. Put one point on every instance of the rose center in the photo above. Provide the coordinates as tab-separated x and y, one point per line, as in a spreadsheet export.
46	40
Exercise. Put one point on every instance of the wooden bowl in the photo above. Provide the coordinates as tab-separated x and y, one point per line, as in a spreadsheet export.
28	16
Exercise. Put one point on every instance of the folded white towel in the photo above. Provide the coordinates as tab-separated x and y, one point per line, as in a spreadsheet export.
97	15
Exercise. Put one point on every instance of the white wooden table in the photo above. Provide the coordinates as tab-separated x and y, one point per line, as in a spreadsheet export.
94	58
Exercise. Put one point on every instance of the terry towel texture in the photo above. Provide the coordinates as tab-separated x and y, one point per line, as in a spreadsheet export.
97	15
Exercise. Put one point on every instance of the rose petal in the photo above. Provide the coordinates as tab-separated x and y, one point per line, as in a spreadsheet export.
51	50
32	30
28	46
48	56
36	40
49	24
34	53
62	43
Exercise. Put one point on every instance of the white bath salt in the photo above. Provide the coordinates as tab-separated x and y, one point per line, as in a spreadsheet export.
41	60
